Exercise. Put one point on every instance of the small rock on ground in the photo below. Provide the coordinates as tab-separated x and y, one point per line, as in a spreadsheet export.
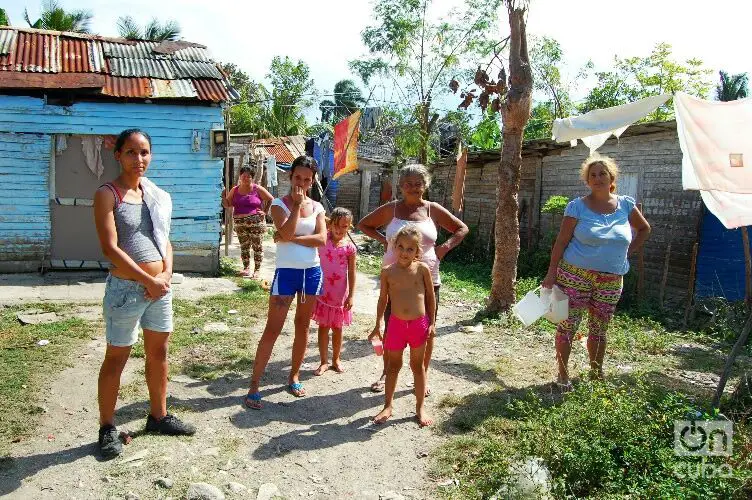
391	495
203	491
236	488
37	319
268	491
131	496
164	482
216	328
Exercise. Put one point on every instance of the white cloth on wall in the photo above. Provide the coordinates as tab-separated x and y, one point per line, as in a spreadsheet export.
713	137
595	127
92	148
271	171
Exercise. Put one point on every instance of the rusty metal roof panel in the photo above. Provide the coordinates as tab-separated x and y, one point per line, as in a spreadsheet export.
36	52
146	50
80	56
173	89
151	68
196	69
7	39
127	87
193	54
210	90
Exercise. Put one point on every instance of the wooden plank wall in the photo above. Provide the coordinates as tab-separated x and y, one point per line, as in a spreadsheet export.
194	179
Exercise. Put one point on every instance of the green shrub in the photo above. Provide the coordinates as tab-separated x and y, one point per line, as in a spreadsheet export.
555	205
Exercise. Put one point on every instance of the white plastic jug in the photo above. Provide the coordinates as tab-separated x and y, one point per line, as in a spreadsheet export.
530	308
558	304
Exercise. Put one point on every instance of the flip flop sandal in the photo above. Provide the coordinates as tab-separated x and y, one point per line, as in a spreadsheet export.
253	401
296	389
378	386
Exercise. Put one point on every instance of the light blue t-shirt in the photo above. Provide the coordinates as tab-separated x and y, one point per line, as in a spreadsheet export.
600	241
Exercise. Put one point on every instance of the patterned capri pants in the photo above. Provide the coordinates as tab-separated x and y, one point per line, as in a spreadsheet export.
591	291
250	230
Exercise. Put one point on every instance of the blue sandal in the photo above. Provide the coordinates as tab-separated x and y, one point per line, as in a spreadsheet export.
296	389
253	401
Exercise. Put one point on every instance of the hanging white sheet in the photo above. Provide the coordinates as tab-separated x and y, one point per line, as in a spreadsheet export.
595	127
717	155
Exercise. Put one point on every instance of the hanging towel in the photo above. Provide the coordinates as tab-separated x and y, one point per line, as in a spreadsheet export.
458	192
271	171
160	210
92	148
717	155
595	127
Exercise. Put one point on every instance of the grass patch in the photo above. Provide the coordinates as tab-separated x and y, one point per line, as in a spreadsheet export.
207	355
25	367
601	441
369	264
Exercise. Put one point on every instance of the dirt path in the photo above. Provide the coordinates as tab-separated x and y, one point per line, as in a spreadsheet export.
320	446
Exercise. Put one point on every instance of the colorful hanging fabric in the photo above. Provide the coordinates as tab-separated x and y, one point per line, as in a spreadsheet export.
346	135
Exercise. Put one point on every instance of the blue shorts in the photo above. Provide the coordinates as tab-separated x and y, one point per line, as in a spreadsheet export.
288	281
125	309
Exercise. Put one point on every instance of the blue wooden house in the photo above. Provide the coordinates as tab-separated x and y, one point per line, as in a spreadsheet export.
63	99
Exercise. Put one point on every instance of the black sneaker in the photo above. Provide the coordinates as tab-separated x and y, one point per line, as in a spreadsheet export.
109	442
169	425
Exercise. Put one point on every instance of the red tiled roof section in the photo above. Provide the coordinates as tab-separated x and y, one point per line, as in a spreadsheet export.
280	152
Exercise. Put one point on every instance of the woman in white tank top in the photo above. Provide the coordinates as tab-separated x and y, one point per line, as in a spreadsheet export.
427	217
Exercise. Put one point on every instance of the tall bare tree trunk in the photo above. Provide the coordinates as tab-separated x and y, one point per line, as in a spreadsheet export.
515	111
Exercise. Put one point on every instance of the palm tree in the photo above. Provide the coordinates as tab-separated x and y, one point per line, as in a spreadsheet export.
154	30
347	100
4	21
731	87
56	18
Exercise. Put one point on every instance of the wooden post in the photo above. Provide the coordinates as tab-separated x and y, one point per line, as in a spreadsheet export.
747	269
529	225
640	267
228	181
691	285
664	279
741	342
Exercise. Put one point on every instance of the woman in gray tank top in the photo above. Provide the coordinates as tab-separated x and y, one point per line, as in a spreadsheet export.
132	216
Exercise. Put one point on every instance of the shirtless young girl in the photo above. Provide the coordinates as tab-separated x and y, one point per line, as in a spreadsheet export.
407	284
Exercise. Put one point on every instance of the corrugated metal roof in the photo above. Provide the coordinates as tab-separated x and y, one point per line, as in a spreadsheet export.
173	88
210	90
162	69
80	56
179	69
35	52
195	69
7	38
280	152
127	87
145	50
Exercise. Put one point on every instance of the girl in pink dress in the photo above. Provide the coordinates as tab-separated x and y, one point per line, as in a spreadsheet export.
334	304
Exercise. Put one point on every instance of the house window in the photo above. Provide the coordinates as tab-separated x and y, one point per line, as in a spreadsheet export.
626	185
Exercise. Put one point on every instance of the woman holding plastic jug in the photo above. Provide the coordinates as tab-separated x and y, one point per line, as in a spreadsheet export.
589	260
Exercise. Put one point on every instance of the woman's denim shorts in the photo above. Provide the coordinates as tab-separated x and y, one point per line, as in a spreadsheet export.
125	309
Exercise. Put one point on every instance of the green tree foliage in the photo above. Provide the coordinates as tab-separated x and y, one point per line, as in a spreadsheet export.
541	121
487	133
154	30
291	92
731	87
54	17
346	100
638	77
417	50
246	115
4	21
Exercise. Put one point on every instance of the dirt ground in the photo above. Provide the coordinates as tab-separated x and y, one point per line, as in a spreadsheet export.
320	446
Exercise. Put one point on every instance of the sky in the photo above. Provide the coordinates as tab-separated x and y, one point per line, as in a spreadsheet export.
326	33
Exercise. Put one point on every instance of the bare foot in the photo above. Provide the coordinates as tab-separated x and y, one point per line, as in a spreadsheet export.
255	275
245	272
596	374
383	415
337	367
321	369
378	386
428	391
423	419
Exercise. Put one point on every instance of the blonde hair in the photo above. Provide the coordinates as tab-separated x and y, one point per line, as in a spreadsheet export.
415	170
337	214
409	231
608	163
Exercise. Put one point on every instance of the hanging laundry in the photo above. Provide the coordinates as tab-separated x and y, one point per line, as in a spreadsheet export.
595	127
92	149
458	192
717	155
61	143
346	145
271	171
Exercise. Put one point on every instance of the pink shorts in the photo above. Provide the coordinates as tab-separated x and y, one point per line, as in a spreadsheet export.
403	332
